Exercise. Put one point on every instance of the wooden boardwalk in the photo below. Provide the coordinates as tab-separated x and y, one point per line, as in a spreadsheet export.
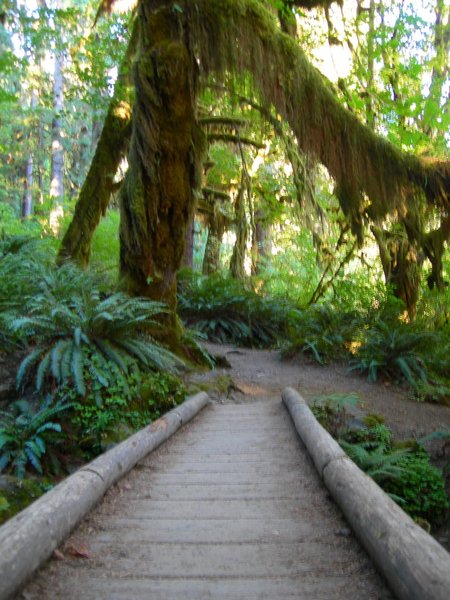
229	508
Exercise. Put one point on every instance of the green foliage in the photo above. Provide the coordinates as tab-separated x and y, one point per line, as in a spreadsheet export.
193	348
69	322
421	488
29	35
321	332
161	392
374	460
332	411
110	412
404	472
225	311
7	341
105	246
16	494
394	350
4	505
293	273
25	433
370	447
103	415
16	229
377	342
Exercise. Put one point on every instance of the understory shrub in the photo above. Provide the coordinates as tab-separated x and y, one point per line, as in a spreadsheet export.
394	352
67	334
420	486
322	332
110	412
402	470
332	411
404	352
378	343
64	317
225	311
88	351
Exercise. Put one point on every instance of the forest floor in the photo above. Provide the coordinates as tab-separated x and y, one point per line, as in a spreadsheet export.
253	372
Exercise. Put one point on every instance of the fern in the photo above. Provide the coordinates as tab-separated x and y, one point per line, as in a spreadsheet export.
224	311
395	351
25	434
376	461
321	332
68	331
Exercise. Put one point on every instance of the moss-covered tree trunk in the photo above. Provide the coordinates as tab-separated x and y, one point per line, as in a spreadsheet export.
211	260
261	243
99	184
157	197
237	263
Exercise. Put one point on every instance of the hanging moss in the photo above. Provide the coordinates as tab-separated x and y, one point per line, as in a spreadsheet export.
401	261
433	244
373	178
243	37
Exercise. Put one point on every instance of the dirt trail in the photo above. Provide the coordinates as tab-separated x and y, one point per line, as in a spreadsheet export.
257	372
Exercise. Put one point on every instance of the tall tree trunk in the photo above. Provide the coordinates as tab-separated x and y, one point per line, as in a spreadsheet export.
237	264
261	242
439	76
211	259
157	198
57	157
57	162
27	204
370	115
99	184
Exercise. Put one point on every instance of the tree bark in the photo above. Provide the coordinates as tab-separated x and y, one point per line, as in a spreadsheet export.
57	163
27	205
261	243
434	246
211	260
157	199
237	264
